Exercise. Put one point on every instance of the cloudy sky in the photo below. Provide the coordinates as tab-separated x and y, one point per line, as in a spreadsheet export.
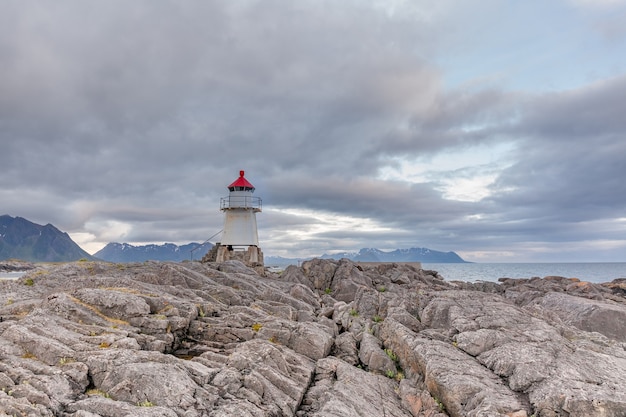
492	128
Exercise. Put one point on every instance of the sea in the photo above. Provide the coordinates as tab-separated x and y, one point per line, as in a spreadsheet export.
11	275
472	272
596	272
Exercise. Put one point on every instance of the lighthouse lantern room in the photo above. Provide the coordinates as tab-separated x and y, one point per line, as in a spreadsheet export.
240	239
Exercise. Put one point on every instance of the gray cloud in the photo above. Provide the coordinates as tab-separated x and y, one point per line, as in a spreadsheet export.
127	121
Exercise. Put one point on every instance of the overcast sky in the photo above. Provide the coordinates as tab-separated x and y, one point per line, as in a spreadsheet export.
492	128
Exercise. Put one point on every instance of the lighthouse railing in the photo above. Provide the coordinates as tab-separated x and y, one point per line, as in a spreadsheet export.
241	202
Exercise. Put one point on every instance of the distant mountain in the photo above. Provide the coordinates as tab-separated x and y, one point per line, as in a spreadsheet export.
424	255
282	262
28	241
124	252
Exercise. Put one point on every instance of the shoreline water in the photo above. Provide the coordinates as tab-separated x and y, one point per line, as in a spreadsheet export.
11	275
596	272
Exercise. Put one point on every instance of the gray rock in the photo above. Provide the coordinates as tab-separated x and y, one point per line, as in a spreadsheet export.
343	390
374	357
346	348
608	318
189	339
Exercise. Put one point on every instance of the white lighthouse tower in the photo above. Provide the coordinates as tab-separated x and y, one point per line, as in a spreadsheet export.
240	239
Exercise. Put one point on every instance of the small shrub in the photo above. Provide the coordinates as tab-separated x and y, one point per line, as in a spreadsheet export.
391	355
399	376
354	312
390	373
328	291
439	404
105	345
377	319
29	282
145	403
257	326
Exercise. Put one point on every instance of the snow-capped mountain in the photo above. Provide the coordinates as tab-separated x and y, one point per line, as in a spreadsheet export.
124	252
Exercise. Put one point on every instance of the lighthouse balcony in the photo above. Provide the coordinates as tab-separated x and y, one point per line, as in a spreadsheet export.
245	202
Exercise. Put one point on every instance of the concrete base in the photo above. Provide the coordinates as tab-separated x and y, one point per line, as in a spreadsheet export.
252	256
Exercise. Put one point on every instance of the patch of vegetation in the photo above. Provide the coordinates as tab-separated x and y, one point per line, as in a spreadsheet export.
104	345
390	374
274	340
381	288
354	312
377	319
95	391
10	301
391	355
439	404
145	403
29	282
167	307
201	312
328	290
28	355
257	326
65	361
160	316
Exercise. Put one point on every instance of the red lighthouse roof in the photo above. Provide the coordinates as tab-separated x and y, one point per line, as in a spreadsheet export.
241	184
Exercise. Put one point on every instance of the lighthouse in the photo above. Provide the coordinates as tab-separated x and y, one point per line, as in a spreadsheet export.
240	239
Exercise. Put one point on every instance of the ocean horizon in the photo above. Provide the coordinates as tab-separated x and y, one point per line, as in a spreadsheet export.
595	272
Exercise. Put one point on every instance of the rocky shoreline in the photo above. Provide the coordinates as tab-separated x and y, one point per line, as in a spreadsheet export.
329	338
16	266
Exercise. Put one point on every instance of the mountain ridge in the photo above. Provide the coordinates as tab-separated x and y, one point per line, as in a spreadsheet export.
398	255
22	239
125	252
424	255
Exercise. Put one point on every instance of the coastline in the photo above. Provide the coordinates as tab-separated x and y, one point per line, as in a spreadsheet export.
595	272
